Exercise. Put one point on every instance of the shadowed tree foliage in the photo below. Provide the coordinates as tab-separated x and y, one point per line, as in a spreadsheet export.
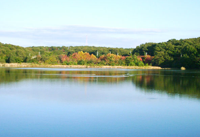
173	53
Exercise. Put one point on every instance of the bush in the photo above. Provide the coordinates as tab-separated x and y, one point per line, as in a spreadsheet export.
112	64
81	62
128	60
2	61
132	64
140	63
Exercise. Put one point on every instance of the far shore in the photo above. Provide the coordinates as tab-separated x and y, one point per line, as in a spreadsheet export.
27	65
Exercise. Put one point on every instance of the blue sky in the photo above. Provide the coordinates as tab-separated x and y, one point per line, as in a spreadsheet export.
112	23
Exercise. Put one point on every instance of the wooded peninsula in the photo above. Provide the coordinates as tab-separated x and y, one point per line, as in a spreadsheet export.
171	54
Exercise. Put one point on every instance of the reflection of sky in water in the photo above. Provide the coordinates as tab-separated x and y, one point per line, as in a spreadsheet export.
72	107
72	91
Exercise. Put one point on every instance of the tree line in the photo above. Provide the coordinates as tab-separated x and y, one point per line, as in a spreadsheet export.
173	53
77	55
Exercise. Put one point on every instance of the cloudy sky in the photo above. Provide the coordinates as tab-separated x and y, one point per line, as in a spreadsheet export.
113	23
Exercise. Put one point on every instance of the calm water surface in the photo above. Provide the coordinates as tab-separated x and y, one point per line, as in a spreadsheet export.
47	102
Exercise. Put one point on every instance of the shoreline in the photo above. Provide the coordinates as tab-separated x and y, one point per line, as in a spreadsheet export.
30	65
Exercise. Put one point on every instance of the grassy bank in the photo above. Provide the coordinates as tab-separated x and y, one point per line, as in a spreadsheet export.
23	65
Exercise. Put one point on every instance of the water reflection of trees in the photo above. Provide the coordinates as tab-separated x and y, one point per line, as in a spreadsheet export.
172	83
181	83
13	75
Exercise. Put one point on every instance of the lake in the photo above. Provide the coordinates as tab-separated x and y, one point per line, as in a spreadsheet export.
49	102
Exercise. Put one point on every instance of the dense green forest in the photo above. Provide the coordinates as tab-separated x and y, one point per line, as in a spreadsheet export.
81	55
173	53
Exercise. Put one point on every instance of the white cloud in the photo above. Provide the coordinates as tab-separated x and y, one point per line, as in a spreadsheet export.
76	36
